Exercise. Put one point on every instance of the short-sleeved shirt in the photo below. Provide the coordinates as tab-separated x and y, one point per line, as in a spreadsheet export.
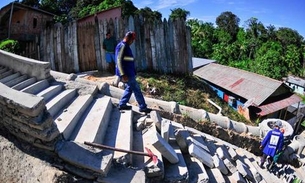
109	44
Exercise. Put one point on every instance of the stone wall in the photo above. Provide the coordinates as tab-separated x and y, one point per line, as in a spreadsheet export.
26	116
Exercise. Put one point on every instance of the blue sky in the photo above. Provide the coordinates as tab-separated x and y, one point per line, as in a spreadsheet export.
280	13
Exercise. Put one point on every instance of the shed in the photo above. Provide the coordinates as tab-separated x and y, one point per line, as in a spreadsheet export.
263	96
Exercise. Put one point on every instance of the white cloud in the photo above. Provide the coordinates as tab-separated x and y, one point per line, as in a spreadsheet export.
174	3
146	3
210	18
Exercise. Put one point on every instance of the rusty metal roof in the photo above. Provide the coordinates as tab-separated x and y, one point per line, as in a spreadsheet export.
278	105
242	83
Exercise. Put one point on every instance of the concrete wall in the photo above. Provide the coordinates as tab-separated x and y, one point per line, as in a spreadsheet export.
25	115
31	67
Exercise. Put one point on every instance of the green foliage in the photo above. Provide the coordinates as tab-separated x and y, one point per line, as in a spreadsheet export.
179	13
186	90
149	15
10	45
202	35
269	60
228	22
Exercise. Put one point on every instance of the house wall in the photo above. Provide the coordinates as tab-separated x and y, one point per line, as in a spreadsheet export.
113	13
28	23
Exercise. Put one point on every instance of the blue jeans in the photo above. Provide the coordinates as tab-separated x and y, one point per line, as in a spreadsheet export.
133	86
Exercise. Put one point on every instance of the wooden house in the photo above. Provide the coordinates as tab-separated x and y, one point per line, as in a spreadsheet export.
23	23
252	95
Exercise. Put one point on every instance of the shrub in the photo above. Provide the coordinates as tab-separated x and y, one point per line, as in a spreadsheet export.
10	45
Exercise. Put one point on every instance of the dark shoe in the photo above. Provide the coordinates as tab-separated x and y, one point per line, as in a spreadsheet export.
262	165
146	110
125	107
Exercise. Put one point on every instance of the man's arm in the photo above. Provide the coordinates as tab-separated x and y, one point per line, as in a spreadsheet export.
119	60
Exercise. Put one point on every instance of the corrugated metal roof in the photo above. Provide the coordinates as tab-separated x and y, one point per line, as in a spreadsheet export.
243	83
199	62
295	80
278	105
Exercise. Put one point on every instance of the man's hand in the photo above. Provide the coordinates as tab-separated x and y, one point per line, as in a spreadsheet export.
260	147
124	79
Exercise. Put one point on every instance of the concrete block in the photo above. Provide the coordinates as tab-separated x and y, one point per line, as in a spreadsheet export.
181	135
215	176
201	155
93	159
155	116
232	153
164	148
230	166
176	172
223	153
197	171
165	129
198	140
153	171
236	176
220	164
243	169
25	103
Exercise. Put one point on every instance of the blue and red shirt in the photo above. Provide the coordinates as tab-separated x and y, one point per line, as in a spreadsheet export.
273	141
124	60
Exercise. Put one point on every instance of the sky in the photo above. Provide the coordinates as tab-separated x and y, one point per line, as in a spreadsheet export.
280	13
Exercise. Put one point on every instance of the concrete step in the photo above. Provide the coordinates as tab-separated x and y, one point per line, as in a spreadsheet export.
3	69
16	80
68	119
6	73
59	101
50	92
36	87
85	157
94	125
120	134
10	77
24	84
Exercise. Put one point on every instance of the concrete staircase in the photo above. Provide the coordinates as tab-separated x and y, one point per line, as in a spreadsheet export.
82	113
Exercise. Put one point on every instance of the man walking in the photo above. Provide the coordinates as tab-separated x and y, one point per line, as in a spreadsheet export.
125	69
272	143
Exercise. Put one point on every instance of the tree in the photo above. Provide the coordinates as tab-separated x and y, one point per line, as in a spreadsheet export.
148	14
228	22
269	60
50	6
288	36
202	35
128	9
32	3
179	13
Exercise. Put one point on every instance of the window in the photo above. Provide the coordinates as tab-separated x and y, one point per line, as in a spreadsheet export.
34	23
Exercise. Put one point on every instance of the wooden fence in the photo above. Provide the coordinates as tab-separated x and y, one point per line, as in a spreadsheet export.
164	47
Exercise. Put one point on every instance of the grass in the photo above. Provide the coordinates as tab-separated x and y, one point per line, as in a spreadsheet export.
186	90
